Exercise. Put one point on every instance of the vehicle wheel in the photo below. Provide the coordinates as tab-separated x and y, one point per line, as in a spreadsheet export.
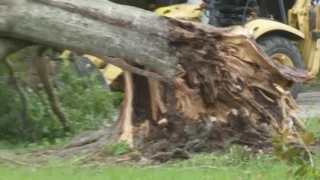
283	51
84	68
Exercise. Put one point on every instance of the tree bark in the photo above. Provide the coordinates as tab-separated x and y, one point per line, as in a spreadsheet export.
203	70
97	27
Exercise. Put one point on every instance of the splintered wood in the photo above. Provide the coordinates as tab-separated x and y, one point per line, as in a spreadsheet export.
126	114
226	75
235	79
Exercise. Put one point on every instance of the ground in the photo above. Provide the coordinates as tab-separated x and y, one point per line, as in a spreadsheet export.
201	167
309	102
235	164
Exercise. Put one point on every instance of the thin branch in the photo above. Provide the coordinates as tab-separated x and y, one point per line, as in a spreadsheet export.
305	146
125	66
41	98
44	77
6	159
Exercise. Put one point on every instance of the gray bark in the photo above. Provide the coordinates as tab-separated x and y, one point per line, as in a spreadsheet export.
96	27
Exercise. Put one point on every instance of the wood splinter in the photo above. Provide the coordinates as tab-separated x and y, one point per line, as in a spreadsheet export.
155	98
126	114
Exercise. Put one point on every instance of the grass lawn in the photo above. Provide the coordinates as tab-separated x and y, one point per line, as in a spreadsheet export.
233	165
201	167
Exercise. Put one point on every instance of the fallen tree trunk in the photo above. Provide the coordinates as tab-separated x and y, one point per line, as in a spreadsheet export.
198	70
98	28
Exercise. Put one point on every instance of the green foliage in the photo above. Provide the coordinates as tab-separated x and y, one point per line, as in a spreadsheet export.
298	155
119	148
240	153
87	107
313	124
200	166
10	108
314	86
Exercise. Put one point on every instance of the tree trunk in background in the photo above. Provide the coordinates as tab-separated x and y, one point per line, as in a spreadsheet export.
191	71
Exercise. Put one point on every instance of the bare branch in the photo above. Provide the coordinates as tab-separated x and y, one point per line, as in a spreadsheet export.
45	79
125	66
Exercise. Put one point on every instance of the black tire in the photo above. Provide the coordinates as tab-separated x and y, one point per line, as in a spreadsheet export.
84	68
277	44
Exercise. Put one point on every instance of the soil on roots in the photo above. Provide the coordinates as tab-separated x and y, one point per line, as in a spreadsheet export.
181	138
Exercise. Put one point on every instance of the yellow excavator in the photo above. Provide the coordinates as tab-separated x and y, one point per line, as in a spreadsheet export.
288	31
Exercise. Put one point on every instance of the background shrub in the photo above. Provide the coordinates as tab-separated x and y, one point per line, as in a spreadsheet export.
87	106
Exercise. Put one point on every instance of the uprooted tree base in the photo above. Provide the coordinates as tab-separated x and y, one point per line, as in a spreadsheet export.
227	76
224	74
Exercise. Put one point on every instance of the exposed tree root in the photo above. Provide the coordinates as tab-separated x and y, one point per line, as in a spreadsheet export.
126	133
235	79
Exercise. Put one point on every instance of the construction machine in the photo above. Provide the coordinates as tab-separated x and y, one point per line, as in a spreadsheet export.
288	31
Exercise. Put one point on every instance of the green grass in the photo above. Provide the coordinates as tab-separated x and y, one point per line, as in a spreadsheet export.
200	167
313	125
233	165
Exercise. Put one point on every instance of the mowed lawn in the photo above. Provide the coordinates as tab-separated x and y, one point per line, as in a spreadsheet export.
233	165
269	171
212	166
